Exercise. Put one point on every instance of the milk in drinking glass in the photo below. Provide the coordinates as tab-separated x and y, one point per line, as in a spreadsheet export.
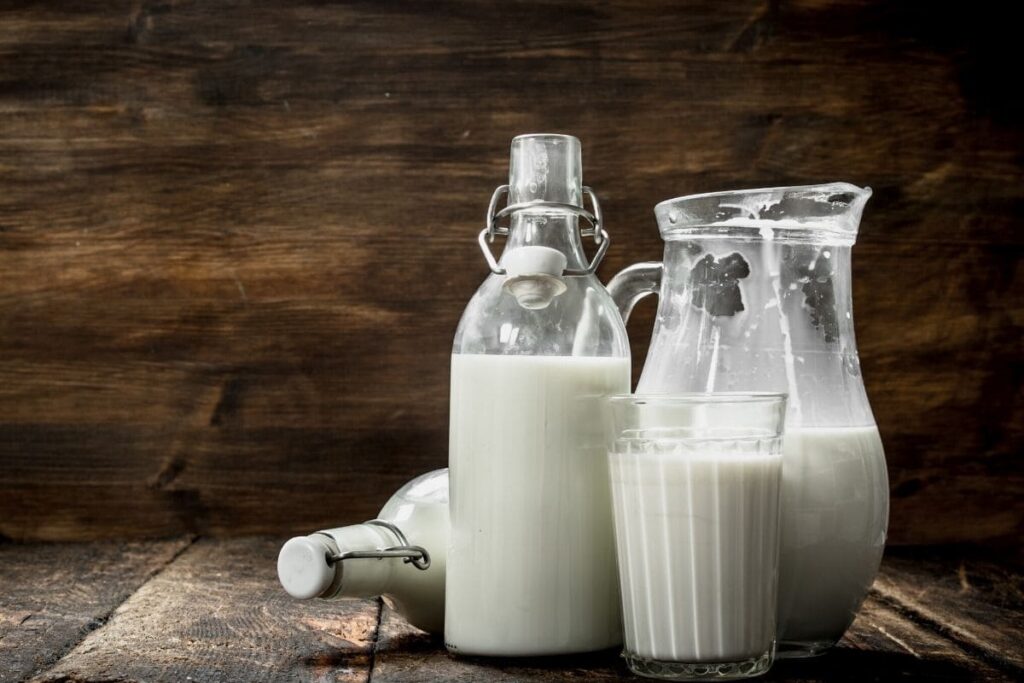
695	483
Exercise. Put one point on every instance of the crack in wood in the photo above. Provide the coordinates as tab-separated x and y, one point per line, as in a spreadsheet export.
375	640
101	621
752	32
173	466
230	401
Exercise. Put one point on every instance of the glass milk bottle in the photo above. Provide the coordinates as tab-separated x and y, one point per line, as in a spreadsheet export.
755	294
531	563
399	555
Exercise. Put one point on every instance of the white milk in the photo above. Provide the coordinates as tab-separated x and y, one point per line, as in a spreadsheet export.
531	562
421	512
697	533
834	516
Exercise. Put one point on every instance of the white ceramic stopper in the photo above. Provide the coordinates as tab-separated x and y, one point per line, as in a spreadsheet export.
303	569
534	261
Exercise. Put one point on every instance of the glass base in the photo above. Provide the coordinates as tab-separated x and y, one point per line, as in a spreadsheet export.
802	649
698	671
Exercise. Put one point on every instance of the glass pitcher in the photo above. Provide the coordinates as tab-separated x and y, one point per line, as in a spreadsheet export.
755	295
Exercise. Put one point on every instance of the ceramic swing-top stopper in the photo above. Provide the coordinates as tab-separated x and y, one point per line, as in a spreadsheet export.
542	168
303	569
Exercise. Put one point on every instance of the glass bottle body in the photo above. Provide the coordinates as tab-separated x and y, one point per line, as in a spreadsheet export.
531	564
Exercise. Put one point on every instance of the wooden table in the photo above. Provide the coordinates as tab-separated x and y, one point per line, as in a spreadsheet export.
212	610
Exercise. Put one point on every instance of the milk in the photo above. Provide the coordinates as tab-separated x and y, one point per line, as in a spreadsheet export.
417	515
697	538
531	562
834	516
420	510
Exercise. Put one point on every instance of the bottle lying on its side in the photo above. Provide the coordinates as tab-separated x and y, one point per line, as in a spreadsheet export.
400	555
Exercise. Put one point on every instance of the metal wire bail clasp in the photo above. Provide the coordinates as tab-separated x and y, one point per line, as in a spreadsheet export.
415	555
595	228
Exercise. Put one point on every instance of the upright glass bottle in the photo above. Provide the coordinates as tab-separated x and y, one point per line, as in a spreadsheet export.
531	563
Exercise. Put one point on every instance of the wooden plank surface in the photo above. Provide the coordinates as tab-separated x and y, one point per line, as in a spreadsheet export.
404	653
237	236
933	615
213	611
882	645
885	644
977	602
51	596
219	614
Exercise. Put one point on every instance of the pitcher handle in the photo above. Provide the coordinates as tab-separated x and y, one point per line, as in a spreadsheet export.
634	283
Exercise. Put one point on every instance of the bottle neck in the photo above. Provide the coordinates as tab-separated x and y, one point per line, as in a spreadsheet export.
360	577
554	230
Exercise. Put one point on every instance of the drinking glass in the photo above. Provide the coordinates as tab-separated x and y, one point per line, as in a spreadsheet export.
695	482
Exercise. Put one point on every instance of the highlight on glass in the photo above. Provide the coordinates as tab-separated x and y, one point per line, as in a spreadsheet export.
695	482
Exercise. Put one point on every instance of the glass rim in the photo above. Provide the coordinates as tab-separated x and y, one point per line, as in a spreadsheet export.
699	398
549	136
838	186
828	213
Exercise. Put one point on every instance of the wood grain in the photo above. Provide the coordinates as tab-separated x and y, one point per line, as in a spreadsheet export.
883	644
51	596
404	653
974	601
218	613
236	237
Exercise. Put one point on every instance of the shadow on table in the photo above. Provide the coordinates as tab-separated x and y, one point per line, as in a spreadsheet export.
846	664
840	664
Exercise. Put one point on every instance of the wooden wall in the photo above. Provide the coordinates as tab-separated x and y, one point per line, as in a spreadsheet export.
236	236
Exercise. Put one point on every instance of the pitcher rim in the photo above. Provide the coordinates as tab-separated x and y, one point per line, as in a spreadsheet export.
862	192
818	212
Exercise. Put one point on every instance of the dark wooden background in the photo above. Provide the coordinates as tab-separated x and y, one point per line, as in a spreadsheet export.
236	237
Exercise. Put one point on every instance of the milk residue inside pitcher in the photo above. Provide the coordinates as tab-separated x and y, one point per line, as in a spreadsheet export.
755	295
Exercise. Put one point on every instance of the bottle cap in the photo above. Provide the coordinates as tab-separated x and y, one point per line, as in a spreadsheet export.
303	569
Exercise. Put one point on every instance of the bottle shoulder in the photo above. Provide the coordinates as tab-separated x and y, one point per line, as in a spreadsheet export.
582	320
420	511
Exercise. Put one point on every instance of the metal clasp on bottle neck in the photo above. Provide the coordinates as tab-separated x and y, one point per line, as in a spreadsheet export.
594	229
415	555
